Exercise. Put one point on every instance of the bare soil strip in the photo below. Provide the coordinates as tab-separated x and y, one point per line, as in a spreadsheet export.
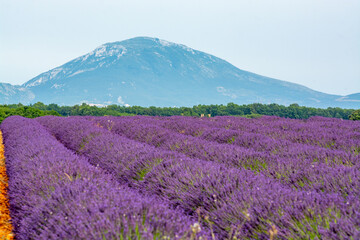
5	220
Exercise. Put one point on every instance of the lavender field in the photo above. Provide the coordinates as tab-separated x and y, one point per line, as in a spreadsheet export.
183	178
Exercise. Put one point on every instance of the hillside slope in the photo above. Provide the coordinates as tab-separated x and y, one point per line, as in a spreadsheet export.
148	71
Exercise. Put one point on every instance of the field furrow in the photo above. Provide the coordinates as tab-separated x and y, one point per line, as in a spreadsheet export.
55	194
231	200
323	172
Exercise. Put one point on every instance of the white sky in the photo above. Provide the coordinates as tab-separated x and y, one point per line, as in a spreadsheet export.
312	42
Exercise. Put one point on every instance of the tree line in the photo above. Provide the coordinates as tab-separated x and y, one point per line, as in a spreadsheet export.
231	109
25	111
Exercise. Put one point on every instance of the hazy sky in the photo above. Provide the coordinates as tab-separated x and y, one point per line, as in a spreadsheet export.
312	42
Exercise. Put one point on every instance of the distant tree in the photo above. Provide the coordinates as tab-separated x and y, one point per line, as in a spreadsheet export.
24	111
40	106
355	115
54	107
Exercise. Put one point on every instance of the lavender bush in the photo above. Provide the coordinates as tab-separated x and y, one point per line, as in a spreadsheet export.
285	198
310	168
55	194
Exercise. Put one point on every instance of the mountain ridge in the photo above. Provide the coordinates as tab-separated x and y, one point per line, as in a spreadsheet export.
149	71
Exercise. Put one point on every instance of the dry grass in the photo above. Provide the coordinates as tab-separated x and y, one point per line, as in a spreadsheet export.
5	220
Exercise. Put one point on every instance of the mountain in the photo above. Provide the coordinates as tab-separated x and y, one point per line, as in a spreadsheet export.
152	72
15	94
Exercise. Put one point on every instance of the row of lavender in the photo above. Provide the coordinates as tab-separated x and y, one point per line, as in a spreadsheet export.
317	130
261	134
237	190
56	194
305	167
